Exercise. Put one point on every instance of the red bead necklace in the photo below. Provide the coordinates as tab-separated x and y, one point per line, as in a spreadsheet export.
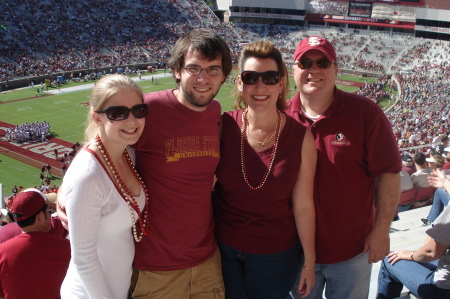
126	193
274	150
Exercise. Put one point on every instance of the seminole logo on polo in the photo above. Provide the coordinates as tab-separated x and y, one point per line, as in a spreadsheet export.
314	41
340	140
192	146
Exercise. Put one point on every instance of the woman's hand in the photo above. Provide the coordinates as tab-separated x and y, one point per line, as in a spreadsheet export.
437	179
396	256
307	281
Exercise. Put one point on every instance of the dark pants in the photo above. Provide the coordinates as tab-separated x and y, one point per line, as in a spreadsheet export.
259	276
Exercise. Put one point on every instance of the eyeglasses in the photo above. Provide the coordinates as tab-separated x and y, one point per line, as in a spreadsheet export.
51	211
268	78
307	63
212	71
122	112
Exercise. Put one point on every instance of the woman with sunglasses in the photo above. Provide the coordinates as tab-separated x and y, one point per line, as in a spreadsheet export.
105	199
263	198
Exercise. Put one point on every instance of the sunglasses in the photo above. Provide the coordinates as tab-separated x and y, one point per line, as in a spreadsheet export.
307	63
122	112
268	78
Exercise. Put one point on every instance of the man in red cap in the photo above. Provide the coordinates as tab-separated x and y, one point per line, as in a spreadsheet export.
357	155
33	264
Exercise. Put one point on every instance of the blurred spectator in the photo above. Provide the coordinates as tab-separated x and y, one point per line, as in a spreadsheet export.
408	164
441	197
424	271
12	229
420	177
33	264
446	166
440	148
440	161
405	181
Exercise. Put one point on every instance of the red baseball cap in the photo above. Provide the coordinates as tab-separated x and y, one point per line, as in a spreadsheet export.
315	43
27	203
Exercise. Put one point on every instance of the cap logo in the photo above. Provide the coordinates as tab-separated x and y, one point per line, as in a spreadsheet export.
314	41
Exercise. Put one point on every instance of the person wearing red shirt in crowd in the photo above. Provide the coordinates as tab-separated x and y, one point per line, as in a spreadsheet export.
447	159
408	164
34	263
13	229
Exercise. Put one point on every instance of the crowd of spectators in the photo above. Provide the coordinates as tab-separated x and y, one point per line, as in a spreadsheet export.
51	37
422	110
28	132
378	91
102	33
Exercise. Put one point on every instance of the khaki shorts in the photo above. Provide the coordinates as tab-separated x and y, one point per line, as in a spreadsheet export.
200	282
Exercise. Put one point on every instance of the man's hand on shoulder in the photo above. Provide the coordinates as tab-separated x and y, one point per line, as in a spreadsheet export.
61	211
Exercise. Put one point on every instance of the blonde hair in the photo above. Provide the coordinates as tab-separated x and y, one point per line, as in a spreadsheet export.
105	88
264	49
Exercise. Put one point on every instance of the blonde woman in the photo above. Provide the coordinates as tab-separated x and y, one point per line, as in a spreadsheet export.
105	199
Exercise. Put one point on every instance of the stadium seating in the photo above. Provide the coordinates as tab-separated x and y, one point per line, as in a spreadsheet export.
415	198
424	197
407	198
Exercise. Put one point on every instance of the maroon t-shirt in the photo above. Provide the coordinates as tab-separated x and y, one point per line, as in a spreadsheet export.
177	155
33	265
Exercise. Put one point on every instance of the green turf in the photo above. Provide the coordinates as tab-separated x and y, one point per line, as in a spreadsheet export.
67	114
12	172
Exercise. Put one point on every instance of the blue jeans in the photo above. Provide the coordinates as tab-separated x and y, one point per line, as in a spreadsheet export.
417	277
349	279
440	201
258	276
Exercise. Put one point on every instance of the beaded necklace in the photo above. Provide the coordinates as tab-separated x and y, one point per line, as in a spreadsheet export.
126	193
274	150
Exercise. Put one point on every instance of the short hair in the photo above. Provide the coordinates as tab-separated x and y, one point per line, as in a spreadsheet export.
419	158
11	217
32	219
264	49
105	88
209	44
444	138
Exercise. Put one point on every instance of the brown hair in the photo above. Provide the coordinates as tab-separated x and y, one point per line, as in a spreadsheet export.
440	161
264	49
209	44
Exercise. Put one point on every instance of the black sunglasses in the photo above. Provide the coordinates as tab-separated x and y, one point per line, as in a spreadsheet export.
307	63
268	78
122	112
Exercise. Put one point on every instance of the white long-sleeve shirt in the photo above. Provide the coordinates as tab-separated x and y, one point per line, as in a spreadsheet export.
99	230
